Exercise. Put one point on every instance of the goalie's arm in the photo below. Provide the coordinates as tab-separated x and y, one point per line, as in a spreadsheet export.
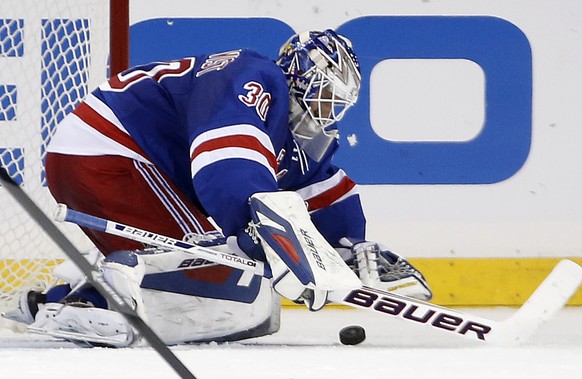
334	204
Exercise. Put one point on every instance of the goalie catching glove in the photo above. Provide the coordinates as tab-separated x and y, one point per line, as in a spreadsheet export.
380	268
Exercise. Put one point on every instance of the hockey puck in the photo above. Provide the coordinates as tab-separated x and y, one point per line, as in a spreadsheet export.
352	335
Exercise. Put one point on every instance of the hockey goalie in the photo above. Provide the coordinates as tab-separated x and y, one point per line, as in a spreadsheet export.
231	151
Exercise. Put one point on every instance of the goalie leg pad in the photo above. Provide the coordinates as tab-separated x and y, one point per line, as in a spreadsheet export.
91	326
180	318
29	300
124	271
69	273
27	307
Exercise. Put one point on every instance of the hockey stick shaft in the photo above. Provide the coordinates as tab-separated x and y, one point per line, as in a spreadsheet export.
94	276
121	230
548	298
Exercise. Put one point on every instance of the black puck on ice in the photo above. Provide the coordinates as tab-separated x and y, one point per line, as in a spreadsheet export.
352	335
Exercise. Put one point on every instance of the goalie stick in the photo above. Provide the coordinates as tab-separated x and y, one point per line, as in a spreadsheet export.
94	276
550	296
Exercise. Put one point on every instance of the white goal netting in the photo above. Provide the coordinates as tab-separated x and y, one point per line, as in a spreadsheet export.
52	52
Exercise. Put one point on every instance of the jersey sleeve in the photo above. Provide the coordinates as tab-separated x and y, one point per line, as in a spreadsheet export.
334	204
237	126
332	196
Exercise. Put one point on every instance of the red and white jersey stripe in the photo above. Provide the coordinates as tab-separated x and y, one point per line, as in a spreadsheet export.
234	141
93	129
330	191
185	219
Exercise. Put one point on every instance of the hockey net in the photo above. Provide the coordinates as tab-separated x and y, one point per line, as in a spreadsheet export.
52	53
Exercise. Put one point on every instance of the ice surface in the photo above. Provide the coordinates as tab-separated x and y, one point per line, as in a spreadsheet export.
307	346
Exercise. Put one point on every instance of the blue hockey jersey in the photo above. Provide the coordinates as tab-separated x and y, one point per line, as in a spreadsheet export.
217	125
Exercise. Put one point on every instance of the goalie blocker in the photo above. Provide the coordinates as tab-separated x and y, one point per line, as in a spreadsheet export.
305	267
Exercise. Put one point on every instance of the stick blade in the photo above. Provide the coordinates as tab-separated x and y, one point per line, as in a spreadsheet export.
554	292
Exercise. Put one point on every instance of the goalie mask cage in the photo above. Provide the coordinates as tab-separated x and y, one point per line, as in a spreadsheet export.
52	54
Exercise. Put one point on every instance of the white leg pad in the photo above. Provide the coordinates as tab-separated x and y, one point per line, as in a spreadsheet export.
90	325
181	318
126	281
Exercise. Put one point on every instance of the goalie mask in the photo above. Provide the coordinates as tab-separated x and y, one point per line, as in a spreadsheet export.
323	75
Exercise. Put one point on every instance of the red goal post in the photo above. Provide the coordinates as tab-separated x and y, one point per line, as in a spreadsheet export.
52	54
